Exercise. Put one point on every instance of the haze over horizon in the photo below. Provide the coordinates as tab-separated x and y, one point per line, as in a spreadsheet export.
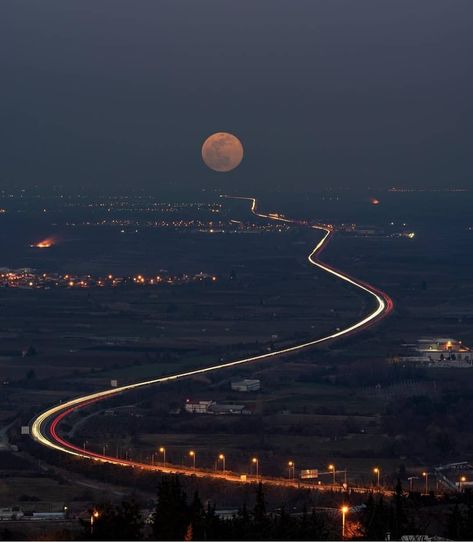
345	93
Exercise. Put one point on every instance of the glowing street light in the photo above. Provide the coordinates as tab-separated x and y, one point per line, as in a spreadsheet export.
291	468
221	457
255	462
462	481
163	451
377	471
192	454
332	469
426	476
344	510
93	516
411	482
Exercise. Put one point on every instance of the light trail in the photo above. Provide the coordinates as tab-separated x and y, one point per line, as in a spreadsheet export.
44	427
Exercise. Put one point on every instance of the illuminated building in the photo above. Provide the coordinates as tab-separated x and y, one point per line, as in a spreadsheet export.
445	352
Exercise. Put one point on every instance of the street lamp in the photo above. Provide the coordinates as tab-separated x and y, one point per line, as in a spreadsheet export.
93	516
462	481
377	471
411	482
192	454
291	469
255	461
344	510
163	451
332	469
426	476
222	459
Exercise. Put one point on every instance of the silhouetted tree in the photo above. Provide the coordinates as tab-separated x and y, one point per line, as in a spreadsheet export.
260	519
375	520
122	522
171	517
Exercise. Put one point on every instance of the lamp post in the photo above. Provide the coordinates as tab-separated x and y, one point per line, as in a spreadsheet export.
255	462
377	471
411	482
425	474
222	459
332	469
344	510
163	451
462	481
93	516
291	468
192	454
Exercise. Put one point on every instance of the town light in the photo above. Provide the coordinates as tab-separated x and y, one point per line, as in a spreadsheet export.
93	516
255	462
344	510
332	468
377	471
426	476
192	454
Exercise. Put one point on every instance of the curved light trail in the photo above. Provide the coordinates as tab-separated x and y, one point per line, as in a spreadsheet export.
44	428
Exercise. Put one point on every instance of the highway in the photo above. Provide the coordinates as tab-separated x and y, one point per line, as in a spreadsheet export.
45	427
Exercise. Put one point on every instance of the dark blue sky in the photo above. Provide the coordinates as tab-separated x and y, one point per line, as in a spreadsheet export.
321	93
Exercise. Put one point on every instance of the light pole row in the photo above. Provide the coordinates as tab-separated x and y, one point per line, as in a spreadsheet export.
221	461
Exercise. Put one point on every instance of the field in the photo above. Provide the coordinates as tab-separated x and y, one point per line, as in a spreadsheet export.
337	403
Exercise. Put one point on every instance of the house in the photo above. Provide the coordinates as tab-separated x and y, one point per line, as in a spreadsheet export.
246	385
198	407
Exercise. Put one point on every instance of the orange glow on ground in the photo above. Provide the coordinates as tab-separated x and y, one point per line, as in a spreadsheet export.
45	243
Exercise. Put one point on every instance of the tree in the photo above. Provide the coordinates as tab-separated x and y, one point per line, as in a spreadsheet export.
399	520
285	527
455	522
242	525
374	520
197	519
317	527
260	528
122	522
170	521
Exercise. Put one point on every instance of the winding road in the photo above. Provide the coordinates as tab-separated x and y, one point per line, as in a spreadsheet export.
45	428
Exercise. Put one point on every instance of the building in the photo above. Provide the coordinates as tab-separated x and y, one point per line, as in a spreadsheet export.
7	514
213	408
440	352
246	385
198	407
222	409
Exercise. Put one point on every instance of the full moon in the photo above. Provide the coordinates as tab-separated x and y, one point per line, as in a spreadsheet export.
222	151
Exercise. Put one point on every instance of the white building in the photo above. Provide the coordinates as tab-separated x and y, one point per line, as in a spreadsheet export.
198	407
246	385
442	352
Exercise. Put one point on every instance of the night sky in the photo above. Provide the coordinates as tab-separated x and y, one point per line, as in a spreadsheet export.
122	93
